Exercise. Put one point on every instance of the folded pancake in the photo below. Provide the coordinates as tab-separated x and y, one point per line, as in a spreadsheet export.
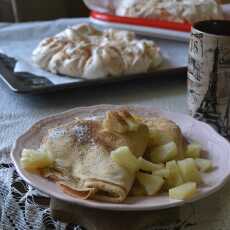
168	130
81	152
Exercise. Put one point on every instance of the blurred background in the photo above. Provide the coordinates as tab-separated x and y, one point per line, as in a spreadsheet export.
33	10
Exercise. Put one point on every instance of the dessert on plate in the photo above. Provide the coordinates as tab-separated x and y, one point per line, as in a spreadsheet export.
118	155
83	51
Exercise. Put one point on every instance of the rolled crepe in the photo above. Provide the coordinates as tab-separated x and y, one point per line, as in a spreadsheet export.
82	163
170	130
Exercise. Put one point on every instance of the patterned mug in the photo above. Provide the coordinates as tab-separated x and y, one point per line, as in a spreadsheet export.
209	74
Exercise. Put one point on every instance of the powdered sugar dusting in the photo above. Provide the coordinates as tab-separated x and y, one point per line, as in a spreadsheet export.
57	133
82	132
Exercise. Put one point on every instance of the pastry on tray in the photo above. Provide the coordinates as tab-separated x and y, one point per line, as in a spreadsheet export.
83	51
116	156
189	11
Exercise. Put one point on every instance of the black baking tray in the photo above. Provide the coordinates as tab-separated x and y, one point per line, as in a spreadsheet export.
24	82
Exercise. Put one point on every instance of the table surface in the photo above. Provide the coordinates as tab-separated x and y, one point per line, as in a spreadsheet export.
18	112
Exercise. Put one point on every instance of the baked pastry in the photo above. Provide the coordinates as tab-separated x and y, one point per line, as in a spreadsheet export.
169	131
83	166
117	155
83	51
172	10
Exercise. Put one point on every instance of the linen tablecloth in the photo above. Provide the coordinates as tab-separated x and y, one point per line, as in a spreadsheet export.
22	207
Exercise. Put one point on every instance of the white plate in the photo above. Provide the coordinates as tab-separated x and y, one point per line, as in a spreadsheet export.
218	151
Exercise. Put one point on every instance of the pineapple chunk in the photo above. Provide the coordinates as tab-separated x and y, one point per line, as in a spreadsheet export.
164	153
183	192
162	172
174	178
124	157
193	151
148	166
34	159
151	183
189	170
204	165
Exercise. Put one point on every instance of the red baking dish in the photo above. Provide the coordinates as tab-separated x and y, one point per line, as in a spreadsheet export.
184	27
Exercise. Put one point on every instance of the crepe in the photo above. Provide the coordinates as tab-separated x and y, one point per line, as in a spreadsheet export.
83	166
78	155
170	132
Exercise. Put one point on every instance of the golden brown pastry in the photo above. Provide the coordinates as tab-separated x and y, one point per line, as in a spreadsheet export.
118	155
83	166
169	131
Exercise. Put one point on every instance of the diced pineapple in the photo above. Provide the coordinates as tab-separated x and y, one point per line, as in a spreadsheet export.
162	172
184	191
164	153
204	165
124	157
148	166
35	159
151	183
174	178
193	151
189	170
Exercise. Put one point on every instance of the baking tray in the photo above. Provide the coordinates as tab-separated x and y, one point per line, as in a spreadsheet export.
28	83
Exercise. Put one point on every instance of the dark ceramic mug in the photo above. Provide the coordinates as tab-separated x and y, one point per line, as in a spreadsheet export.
209	74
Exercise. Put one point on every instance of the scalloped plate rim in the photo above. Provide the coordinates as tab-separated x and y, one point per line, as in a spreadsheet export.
112	206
